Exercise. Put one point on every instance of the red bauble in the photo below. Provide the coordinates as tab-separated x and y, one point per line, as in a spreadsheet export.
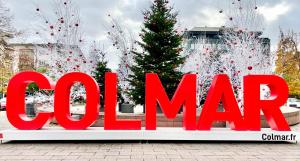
76	24
51	27
250	68
37	9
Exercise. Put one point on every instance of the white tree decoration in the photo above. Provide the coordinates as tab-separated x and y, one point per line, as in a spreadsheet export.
60	31
243	14
246	53
239	52
97	54
202	60
60	50
124	42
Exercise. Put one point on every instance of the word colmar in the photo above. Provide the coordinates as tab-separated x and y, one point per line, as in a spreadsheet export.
185	97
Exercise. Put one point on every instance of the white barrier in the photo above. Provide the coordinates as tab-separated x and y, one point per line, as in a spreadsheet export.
217	134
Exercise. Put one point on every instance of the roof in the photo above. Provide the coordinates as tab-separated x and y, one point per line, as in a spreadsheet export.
40	44
212	31
205	29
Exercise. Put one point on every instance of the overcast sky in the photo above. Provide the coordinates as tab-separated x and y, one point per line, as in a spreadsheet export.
192	13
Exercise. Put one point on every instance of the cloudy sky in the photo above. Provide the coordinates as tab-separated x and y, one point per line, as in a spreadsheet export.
275	13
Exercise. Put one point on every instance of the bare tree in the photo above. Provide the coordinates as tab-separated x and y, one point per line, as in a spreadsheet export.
61	52
7	31
123	40
239	51
61	33
246	52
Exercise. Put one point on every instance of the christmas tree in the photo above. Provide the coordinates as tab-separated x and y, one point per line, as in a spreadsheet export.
161	51
100	69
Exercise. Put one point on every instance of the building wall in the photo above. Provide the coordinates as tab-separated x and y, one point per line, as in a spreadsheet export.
33	56
211	37
24	57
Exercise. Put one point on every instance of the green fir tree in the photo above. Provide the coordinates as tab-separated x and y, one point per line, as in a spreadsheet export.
161	51
99	75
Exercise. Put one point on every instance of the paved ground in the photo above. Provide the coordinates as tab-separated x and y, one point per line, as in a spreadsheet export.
169	151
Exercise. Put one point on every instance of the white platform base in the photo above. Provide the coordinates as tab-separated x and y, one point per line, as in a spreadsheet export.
218	134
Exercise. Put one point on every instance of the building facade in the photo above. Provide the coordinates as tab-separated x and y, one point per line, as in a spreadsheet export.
28	57
212	37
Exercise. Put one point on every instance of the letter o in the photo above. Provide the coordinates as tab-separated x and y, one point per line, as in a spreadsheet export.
62	101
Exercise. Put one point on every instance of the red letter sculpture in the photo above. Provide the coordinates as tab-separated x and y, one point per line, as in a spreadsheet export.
220	90
271	107
15	101
184	95
62	101
110	120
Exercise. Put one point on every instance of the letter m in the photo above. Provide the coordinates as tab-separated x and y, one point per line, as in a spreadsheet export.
185	96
